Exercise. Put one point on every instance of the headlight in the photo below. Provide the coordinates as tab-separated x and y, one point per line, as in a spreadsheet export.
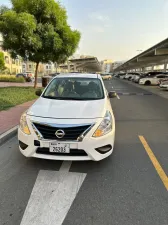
23	124
105	126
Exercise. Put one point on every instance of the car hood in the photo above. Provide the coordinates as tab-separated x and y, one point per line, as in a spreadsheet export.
68	109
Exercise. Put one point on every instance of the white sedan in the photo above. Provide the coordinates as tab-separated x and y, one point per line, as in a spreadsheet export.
106	76
72	120
164	85
152	80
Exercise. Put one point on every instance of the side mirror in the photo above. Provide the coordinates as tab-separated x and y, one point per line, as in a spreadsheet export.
112	94
38	92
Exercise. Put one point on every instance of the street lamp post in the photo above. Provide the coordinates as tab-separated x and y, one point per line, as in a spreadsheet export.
139	51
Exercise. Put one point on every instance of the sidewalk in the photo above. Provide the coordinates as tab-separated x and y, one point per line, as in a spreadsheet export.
10	84
11	117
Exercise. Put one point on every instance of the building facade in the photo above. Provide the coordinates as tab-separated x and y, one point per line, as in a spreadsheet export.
43	69
13	66
116	64
106	65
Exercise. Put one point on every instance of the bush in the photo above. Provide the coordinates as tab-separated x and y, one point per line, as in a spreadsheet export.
11	78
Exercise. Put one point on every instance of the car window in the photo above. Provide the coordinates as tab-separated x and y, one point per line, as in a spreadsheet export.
161	76
75	89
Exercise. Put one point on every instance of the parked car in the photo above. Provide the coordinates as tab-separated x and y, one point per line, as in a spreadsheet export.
164	85
137	78
133	76
154	80
122	77
130	76
118	75
127	76
25	76
106	76
30	74
163	80
71	120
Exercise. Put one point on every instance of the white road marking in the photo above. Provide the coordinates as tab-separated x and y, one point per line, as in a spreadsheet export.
125	93
118	97
112	87
52	196
140	94
65	167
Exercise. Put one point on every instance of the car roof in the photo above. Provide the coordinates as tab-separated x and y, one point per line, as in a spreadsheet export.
75	75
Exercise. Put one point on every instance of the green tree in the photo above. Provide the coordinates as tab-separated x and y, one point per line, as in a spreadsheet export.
38	30
2	61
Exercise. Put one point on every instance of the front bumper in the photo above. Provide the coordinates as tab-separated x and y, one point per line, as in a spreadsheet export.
88	146
165	87
141	82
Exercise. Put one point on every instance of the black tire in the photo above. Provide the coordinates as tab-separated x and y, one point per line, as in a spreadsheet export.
28	79
147	83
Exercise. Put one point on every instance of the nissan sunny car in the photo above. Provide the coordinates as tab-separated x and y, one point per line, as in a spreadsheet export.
72	120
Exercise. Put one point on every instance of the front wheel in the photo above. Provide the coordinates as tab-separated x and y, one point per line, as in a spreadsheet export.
147	83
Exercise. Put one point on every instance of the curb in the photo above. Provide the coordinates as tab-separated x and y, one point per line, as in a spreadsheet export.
8	134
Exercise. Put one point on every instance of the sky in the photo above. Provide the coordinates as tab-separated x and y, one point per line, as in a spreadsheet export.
116	29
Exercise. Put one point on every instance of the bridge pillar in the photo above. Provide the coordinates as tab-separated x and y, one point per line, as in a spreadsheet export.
143	69
165	67
69	67
74	67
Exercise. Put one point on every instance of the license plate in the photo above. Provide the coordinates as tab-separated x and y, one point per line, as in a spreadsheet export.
60	147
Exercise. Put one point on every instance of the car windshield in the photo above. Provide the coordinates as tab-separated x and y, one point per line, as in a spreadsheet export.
75	89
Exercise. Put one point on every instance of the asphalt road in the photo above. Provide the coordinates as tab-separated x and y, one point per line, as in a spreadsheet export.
125	189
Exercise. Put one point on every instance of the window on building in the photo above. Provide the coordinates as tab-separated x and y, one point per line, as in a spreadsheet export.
47	67
13	61
17	62
7	59
30	66
24	66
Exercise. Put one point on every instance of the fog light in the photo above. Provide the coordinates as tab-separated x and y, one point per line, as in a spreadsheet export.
104	149
37	143
22	145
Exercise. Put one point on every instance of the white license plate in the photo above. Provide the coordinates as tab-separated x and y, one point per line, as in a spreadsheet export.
59	147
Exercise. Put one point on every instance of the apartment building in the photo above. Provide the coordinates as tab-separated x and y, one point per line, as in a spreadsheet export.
13	66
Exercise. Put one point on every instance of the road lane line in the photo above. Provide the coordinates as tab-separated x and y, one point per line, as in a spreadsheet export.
52	196
155	162
118	97
65	167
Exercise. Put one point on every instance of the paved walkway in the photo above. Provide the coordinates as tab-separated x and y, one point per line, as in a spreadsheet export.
8	84
11	117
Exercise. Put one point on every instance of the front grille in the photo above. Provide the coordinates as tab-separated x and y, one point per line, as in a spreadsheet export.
71	133
73	152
